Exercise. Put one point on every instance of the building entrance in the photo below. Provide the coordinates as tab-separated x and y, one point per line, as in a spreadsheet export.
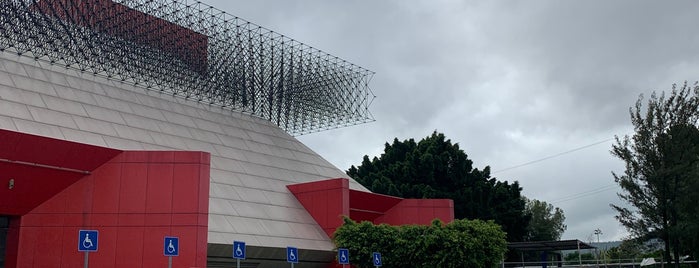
4	224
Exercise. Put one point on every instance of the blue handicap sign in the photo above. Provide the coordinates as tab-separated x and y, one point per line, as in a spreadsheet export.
87	240
292	255
377	259
343	256
171	246
238	250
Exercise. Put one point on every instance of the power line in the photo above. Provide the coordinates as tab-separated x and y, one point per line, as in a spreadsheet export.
585	194
552	156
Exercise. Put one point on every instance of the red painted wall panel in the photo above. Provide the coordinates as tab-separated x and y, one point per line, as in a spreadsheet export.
128	253
25	195
134	201
132	197
326	201
12	242
29	148
418	211
105	190
159	188
153	247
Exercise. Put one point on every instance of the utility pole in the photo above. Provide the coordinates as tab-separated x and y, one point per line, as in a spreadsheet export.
598	232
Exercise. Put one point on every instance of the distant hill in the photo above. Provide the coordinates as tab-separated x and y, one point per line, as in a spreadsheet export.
605	245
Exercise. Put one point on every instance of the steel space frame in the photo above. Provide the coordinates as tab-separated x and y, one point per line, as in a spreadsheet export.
194	51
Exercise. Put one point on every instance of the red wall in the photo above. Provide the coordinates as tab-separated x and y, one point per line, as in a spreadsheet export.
418	211
31	161
134	201
327	201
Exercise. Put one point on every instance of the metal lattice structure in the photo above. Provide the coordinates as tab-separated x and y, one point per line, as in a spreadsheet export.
194	51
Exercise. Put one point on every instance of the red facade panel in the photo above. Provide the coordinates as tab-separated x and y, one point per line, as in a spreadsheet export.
418	211
39	175
25	195
121	199
326	201
159	188
27	148
129	254
132	197
105	190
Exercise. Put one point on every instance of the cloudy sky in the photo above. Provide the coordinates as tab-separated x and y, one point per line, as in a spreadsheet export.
512	82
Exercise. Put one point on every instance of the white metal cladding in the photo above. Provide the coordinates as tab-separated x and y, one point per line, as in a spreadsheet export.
252	159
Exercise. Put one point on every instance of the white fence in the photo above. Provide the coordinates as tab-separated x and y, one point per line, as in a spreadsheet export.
614	263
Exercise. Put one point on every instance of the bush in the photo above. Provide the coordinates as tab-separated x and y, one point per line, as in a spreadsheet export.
462	243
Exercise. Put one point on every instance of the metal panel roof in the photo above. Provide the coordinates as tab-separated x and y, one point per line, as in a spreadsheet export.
549	245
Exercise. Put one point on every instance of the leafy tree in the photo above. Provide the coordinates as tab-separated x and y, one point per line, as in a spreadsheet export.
629	249
661	166
462	243
689	226
547	222
680	150
436	168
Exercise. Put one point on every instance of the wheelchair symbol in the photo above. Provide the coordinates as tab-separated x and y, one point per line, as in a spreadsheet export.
343	258
292	255
87	242
377	259
238	251
170	247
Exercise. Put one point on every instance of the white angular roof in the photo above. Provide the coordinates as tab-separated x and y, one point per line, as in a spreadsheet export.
252	160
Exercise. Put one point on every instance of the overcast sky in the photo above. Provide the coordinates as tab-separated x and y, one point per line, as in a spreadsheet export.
510	81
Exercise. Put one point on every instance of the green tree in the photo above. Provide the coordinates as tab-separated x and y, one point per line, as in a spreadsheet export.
680	150
547	222
689	225
661	166
629	249
462	243
436	168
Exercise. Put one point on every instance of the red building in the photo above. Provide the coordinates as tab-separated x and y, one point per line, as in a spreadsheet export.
121	131
136	198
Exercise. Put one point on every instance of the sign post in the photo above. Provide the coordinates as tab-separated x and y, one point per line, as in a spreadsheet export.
87	242
343	256
377	259
292	255
238	252
171	248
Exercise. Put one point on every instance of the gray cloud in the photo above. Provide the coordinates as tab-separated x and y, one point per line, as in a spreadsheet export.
510	81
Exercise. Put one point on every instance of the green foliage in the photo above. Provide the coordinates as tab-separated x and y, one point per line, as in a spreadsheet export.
628	250
662	169
547	222
436	168
462	243
572	258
